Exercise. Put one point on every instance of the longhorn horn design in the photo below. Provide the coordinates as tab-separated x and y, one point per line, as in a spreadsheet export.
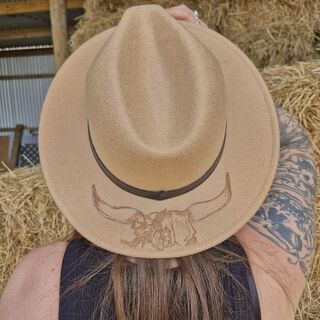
202	209
119	214
165	228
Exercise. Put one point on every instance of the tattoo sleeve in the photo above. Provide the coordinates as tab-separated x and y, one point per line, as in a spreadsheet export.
287	215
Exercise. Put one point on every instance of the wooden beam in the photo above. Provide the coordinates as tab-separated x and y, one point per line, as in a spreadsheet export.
26	52
14	129
28	76
59	30
33	6
28	33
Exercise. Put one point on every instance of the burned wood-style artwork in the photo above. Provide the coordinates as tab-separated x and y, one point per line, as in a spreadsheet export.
166	228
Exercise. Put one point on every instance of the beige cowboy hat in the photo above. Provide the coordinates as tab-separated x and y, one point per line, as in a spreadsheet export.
158	138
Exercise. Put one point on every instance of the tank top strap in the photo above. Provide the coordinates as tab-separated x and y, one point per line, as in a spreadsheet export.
242	306
78	261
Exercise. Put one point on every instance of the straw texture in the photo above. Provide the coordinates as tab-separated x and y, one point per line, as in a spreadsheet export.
269	32
28	217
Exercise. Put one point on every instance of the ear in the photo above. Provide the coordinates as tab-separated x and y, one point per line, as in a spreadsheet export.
116	213
203	209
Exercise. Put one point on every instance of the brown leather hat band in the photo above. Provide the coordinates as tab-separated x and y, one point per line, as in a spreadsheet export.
162	194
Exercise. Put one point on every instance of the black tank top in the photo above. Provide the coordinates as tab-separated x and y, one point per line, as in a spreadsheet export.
80	305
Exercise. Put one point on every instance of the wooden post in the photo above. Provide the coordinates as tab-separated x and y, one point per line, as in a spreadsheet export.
16	145
59	31
4	150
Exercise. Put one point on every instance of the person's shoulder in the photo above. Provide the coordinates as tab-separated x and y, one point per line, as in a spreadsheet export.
279	284
39	261
42	255
33	287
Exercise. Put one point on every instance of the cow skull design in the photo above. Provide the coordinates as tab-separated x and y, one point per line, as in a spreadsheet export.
159	228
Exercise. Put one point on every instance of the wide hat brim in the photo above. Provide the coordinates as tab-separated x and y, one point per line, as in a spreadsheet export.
192	222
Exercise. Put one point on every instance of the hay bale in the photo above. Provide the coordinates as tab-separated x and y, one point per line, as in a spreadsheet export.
29	217
269	32
297	89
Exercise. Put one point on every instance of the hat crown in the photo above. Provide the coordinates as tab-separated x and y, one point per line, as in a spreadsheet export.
155	102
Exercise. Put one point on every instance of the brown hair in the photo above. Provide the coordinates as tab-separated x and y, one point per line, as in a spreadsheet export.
150	290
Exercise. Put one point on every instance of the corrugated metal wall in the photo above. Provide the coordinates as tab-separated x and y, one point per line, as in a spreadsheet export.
21	99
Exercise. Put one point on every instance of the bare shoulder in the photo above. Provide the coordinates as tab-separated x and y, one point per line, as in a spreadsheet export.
33	287
274	277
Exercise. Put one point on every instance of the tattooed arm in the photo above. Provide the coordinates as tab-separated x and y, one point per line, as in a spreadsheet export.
287	215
